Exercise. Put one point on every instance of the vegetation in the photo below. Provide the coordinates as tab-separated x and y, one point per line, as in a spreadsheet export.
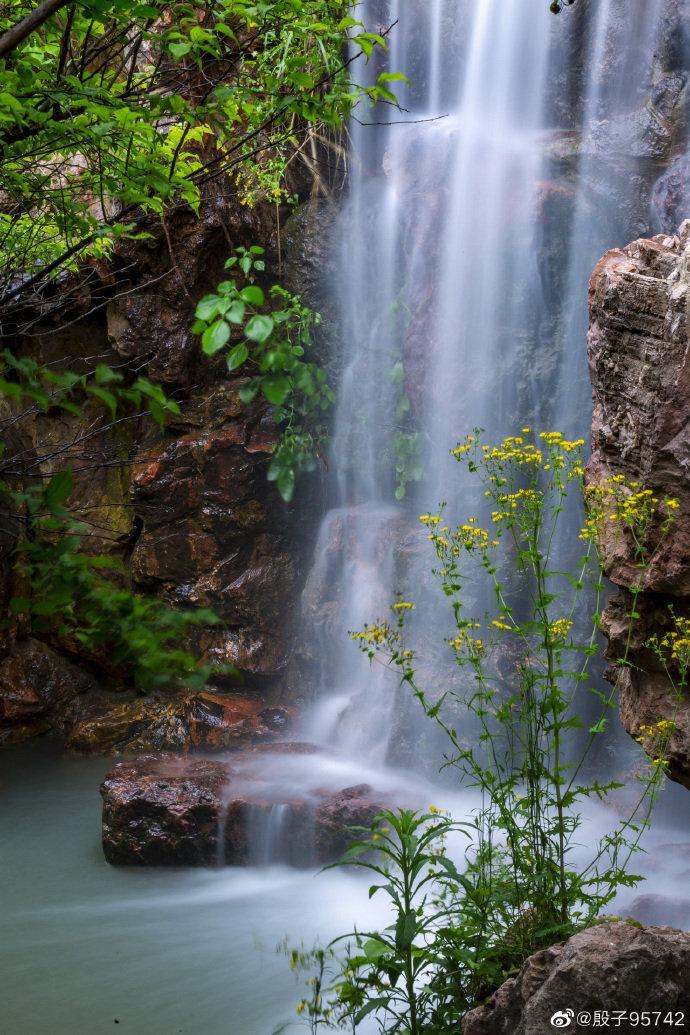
463	920
113	115
273	343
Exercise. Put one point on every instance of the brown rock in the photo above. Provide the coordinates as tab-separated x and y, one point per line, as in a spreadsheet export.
142	724
212	531
37	687
167	810
182	722
221	721
640	369
163	811
353	806
613	967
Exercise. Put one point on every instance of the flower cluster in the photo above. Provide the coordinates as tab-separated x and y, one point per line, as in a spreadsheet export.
469	536
502	623
627	506
655	740
466	642
674	646
378	634
510	501
560	628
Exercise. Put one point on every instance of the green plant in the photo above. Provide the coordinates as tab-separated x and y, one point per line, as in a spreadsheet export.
112	111
509	718
85	600
269	334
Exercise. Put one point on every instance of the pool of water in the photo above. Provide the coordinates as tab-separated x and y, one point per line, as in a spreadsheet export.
87	948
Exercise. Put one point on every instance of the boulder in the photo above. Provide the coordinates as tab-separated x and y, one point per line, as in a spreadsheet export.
354	806
610	967
38	686
163	811
170	810
639	359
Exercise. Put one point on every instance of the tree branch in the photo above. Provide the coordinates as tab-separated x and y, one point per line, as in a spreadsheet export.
14	36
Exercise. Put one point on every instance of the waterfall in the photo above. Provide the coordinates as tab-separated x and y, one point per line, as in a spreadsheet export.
473	218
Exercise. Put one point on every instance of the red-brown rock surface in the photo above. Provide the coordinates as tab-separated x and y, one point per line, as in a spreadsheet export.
163	811
179	722
612	967
167	810
38	689
639	355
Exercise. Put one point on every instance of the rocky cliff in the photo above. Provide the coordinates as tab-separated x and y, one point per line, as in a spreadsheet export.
187	510
639	359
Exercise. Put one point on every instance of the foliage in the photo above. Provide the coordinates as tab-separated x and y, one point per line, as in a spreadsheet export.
525	882
274	334
84	600
114	109
112	114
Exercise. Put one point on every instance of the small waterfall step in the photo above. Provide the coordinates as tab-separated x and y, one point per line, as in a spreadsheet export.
252	808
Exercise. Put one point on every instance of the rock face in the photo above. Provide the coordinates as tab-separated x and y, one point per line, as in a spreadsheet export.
163	810
639	355
187	511
183	722
611	967
638	348
39	690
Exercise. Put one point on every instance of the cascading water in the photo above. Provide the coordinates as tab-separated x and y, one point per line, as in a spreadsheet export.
473	219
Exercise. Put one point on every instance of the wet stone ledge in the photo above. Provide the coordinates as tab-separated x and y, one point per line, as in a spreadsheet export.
166	810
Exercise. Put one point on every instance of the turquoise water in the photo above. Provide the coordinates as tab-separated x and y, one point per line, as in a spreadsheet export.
86	948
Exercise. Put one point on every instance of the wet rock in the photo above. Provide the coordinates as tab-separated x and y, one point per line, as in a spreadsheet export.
214	532
221	721
613	967
163	811
141	724
183	722
167	810
37	687
353	806
648	132
671	195
639	354
661	909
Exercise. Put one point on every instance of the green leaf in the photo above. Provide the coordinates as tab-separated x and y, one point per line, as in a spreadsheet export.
373	1004
259	328
276	388
207	308
405	930
58	489
215	337
374	949
179	50
252	294
235	313
237	356
248	392
105	396
286	483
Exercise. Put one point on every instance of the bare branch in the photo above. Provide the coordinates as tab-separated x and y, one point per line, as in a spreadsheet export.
14	36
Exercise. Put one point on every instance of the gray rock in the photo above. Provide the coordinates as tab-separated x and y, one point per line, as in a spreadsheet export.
612	967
